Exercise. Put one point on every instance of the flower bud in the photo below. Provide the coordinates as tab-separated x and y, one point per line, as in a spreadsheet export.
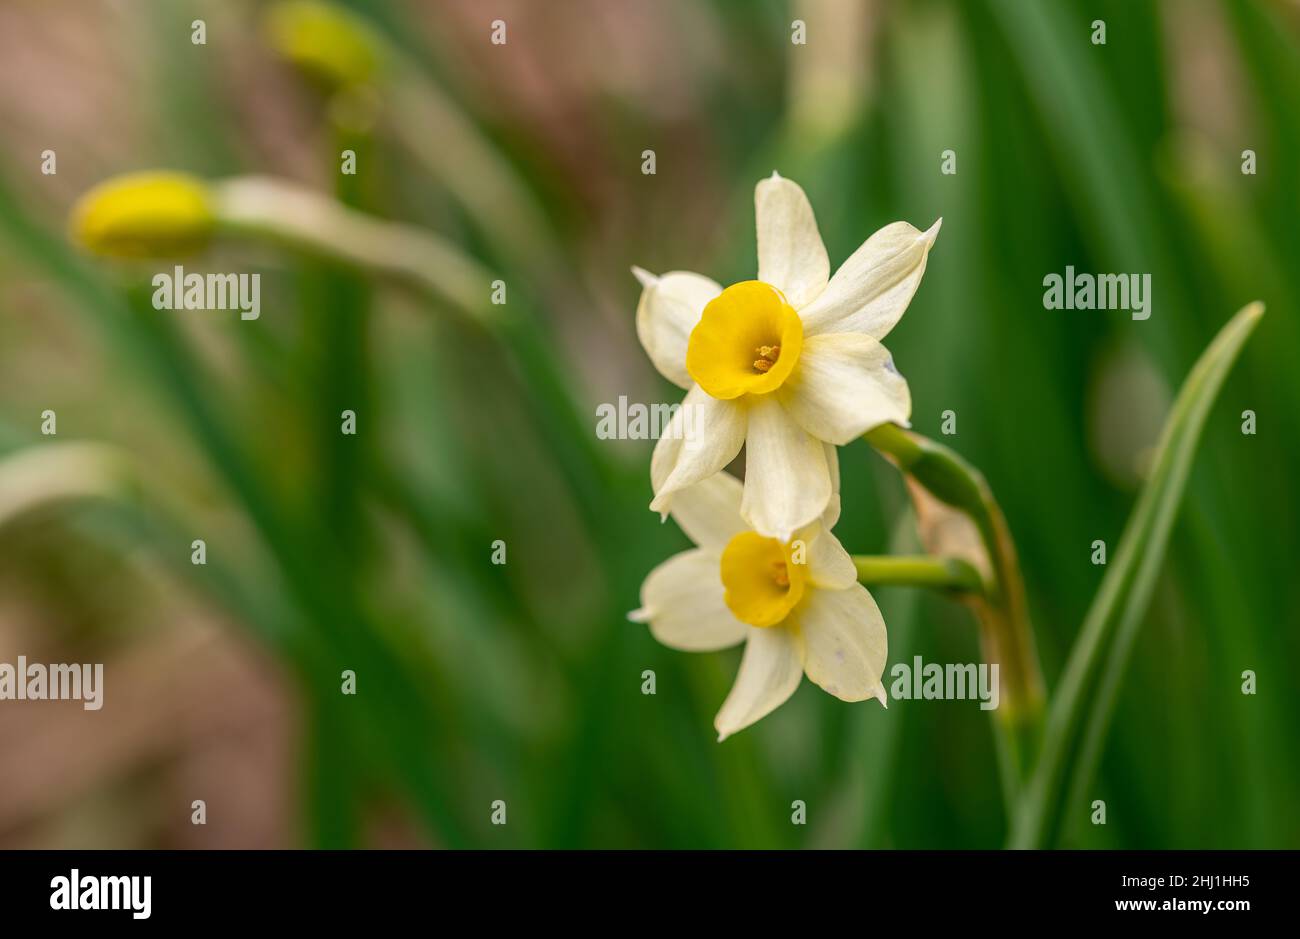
326	41
145	215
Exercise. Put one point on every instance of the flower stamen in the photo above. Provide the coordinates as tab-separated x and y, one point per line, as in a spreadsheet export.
767	356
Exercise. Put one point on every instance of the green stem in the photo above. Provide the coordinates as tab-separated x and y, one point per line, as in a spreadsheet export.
917	571
1002	611
302	219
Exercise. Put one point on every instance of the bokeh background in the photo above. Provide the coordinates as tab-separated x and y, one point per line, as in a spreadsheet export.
522	682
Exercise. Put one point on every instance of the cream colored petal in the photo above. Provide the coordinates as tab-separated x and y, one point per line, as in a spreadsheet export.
703	437
830	567
845	646
832	513
870	291
709	511
682	600
844	385
770	671
668	310
791	256
787	480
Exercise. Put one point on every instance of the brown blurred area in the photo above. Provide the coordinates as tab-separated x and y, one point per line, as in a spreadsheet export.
191	711
189	714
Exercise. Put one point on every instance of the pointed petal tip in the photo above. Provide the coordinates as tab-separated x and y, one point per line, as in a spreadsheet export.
662	504
639	615
646	279
932	232
881	697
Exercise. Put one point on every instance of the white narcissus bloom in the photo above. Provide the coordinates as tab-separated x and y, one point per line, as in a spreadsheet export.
784	364
796	605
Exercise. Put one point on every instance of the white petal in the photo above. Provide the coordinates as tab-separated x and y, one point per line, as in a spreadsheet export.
704	436
770	671
787	481
830	567
682	600
870	291
832	513
791	256
844	385
668	310
845	646
709	511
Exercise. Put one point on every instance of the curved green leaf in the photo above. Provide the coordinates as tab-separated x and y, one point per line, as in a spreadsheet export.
1082	706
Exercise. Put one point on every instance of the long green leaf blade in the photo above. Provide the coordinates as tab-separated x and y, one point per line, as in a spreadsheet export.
1083	704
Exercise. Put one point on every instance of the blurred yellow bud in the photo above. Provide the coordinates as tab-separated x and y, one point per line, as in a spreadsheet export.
326	41
145	215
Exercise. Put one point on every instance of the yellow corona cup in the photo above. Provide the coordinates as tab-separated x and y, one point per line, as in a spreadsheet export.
145	215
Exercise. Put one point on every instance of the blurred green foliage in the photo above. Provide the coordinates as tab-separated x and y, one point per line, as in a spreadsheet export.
523	682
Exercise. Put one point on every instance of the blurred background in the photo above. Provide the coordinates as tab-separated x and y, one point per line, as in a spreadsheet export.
522	682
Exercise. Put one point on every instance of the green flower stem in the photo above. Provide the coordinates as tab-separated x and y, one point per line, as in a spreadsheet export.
1002	611
304	220
917	571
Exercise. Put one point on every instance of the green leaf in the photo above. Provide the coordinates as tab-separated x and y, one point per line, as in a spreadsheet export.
1082	707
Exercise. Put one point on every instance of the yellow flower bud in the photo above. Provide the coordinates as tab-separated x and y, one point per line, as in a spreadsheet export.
145	215
326	41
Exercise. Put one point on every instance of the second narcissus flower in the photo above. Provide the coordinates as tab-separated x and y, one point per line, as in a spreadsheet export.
796	605
785	364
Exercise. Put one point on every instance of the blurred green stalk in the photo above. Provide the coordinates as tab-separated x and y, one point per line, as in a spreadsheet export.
917	571
1002	612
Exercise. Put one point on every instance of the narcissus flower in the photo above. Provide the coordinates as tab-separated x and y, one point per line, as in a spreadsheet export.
784	364
796	605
